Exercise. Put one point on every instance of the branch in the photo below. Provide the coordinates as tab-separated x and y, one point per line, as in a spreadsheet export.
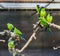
50	24
32	36
35	25
28	42
54	25
34	33
2	40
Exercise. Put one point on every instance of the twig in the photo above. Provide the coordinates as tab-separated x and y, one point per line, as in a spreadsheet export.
32	36
50	24
2	40
34	33
54	25
30	39
35	25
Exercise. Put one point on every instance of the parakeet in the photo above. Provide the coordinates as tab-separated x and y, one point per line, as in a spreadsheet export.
43	21
42	12
19	33
49	18
38	9
10	26
11	43
15	30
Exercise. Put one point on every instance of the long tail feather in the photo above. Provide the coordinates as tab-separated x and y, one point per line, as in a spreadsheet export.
22	37
50	31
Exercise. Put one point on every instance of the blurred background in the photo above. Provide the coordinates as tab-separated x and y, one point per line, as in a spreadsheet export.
24	20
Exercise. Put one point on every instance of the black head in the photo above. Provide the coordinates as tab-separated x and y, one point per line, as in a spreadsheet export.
37	6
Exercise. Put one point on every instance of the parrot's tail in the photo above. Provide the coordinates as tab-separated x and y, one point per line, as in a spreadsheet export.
22	37
50	31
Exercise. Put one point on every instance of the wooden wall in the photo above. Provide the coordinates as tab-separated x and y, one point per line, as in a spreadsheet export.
24	0
23	21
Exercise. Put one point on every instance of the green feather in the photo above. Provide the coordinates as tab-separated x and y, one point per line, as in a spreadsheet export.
43	21
17	32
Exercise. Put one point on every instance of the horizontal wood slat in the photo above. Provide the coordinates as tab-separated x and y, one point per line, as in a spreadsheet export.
24	0
28	0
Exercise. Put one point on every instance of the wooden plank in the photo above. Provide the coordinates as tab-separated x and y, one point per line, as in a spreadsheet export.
24	0
28	0
28	5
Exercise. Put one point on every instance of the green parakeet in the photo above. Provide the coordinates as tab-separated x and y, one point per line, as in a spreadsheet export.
19	33
43	21
15	30
49	18
42	12
11	43
38	9
10	26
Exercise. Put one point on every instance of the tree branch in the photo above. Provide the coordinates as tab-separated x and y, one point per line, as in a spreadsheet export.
2	40
34	33
30	39
28	42
54	25
50	24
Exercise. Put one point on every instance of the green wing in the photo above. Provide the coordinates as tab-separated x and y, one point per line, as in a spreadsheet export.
43	21
11	44
10	26
18	32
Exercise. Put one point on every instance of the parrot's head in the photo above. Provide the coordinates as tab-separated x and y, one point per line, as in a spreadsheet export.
49	15
42	12
37	6
42	9
10	26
